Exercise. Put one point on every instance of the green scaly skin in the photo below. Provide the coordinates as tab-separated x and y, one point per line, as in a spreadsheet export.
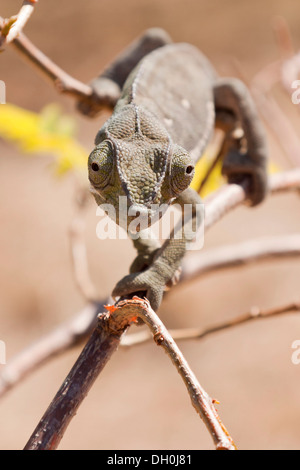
147	150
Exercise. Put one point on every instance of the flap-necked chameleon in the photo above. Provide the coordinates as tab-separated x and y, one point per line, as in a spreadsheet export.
167	100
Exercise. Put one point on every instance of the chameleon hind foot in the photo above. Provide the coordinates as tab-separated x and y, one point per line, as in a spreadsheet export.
238	167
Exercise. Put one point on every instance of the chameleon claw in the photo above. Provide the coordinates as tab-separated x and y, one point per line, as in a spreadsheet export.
144	282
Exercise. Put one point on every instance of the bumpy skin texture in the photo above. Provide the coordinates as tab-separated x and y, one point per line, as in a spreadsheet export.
146	151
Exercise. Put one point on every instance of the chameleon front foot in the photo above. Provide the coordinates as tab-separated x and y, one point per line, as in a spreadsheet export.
148	283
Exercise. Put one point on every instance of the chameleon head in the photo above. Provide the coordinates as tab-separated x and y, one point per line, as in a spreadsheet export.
141	164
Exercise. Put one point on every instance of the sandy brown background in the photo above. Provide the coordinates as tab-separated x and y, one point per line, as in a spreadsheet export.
139	402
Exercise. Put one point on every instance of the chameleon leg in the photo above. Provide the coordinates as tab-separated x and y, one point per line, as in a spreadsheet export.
146	249
246	158
110	82
167	259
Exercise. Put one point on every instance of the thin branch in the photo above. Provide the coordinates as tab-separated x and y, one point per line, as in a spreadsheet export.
238	255
290	60
200	333
63	82
15	25
78	248
63	338
283	37
103	342
77	330
231	196
52	426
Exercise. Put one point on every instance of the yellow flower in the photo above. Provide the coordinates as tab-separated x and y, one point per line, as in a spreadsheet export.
48	133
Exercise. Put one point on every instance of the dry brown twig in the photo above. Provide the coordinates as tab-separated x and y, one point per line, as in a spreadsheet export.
49	346
61	339
199	333
103	342
12	27
78	248
63	82
107	334
45	433
283	71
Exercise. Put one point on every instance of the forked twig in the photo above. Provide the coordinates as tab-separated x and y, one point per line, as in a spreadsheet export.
50	430
12	27
222	202
103	342
200	333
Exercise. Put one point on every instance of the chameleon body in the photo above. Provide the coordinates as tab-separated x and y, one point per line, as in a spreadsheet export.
168	99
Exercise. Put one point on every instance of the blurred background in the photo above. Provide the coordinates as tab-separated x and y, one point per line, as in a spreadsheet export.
139	401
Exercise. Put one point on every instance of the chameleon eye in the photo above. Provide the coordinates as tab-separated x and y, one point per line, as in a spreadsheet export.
101	165
95	166
189	169
182	171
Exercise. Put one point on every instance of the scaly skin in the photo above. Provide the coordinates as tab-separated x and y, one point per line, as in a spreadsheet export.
147	150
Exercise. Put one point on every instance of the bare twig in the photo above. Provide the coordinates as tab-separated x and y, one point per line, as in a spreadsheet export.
200	333
231	196
238	255
12	27
101	345
49	346
78	248
97	352
77	330
273	116
283	37
63	82
50	430
63	338
290	60
279	124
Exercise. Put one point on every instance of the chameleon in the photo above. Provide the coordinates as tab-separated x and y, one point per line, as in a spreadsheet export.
167	100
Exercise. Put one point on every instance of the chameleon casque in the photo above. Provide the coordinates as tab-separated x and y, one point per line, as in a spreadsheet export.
167	100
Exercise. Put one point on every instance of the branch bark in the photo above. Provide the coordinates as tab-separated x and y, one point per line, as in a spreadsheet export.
238	255
200	333
12	27
103	342
75	331
98	350
63	338
63	82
